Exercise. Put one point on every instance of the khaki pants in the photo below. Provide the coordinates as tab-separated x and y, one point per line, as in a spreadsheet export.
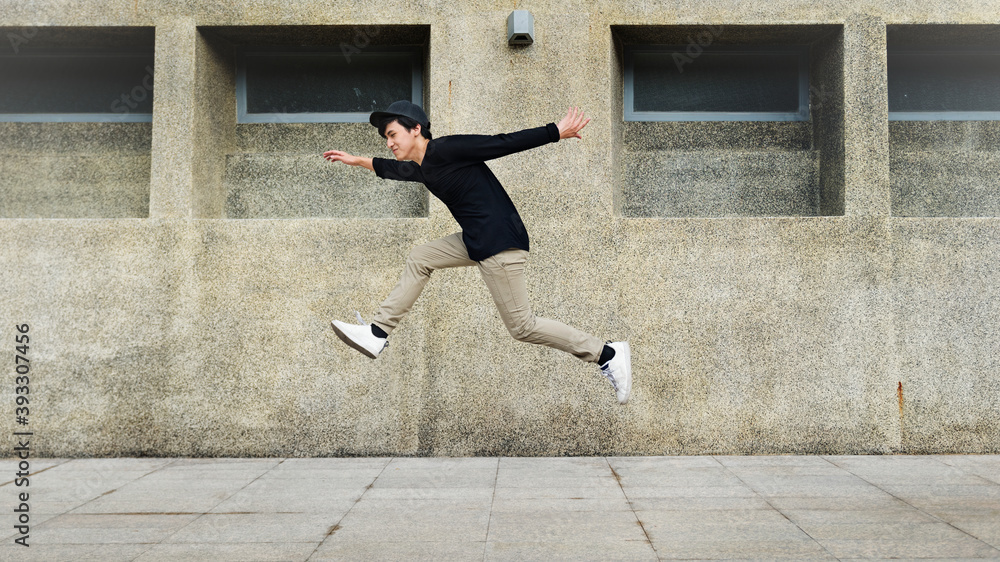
504	276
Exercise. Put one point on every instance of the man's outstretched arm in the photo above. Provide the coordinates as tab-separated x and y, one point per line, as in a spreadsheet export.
340	156
487	147
384	168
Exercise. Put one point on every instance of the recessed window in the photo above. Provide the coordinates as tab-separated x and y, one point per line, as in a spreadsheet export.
326	85
692	83
943	84
77	85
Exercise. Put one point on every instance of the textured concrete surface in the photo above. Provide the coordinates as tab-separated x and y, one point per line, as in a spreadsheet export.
866	117
944	169
786	287
510	508
74	170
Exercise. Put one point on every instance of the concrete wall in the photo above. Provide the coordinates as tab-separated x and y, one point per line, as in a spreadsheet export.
786	287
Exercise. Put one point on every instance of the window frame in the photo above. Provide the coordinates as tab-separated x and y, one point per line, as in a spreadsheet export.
939	115
96	117
802	114
242	116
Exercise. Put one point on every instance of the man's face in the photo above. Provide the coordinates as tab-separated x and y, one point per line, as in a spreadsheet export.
400	141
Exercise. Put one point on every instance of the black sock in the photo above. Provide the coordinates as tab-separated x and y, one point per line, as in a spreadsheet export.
379	332
606	355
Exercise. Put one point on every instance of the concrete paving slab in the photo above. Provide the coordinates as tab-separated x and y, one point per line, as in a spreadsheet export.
934	532
666	470
910	491
698	503
435	481
750	525
943	505
985	527
966	547
436	524
429	493
47	552
443	464
228	552
9	466
862	516
224	463
646	492
102	465
834	504
582	549
73	552
366	474
170	475
860	491
279	502
566	526
666	463
768	507
333	463
99	528
133	463
55	508
777	481
364	551
567	492
418	506
154	503
544	465
559	505
8	534
729	549
255	528
523	479
669	481
321	486
787	470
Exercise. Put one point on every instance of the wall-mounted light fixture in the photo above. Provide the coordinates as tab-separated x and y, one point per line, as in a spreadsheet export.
520	28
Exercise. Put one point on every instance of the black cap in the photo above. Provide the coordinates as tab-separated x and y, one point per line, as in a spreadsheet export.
404	108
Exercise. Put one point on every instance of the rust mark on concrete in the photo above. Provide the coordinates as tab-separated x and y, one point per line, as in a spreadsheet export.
899	392
333	530
617	477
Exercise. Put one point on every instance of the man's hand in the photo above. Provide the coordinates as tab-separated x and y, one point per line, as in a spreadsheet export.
570	125
340	156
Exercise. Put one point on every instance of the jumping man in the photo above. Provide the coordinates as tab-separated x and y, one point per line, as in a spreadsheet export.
493	238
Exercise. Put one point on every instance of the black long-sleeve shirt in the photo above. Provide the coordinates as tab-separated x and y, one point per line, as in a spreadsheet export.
454	170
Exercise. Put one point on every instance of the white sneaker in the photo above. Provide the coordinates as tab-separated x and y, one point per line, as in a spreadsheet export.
360	336
619	370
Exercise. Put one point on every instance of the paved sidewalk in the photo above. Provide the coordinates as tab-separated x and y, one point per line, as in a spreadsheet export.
578	508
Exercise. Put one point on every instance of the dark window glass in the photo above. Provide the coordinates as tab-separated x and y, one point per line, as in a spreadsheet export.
939	81
114	84
677	82
716	81
327	82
